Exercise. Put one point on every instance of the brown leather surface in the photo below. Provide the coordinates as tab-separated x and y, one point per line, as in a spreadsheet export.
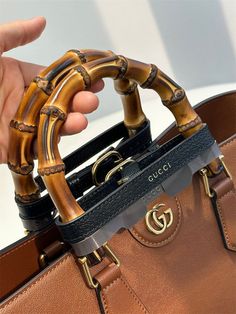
59	289
20	262
113	284
192	274
226	206
226	202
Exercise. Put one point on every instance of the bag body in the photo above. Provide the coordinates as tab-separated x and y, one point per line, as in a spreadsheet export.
190	267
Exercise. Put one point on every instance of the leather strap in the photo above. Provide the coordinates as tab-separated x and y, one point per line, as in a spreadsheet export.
40	213
223	202
116	295
129	146
136	187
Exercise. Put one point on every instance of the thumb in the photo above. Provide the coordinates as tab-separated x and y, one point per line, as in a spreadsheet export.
20	33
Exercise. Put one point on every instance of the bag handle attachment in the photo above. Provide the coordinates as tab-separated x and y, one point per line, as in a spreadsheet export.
129	73
23	128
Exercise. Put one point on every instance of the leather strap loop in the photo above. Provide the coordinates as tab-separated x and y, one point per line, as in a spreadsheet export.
223	202
116	294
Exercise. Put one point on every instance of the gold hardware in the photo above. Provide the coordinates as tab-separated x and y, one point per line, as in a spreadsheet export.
159	221
91	283
111	254
26	232
203	173
226	170
50	253
100	160
118	168
42	260
97	256
85	266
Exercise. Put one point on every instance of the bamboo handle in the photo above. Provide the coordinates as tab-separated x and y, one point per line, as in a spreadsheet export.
23	129
127	74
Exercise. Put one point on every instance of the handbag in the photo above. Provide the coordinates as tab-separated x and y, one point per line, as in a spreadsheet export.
171	242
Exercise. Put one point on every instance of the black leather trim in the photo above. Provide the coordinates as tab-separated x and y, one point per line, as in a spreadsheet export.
36	215
127	194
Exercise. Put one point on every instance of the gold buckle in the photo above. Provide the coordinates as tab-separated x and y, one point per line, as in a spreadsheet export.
203	173
118	168
85	266
98	162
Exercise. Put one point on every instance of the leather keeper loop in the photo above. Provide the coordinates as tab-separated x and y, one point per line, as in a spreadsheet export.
79	182
103	212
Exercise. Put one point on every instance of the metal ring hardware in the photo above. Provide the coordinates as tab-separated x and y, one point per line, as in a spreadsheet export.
118	168
85	266
203	172
101	159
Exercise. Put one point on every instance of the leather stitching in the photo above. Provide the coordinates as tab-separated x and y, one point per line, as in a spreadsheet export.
105	303
227	237
133	294
157	244
36	282
123	281
111	283
231	140
103	294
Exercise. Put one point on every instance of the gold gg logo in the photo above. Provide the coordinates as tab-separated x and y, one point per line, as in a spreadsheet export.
157	224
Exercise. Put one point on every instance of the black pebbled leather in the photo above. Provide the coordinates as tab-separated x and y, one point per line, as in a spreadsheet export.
122	197
40	213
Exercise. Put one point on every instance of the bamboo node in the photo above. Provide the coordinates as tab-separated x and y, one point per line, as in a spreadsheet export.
179	95
43	84
81	55
189	125
86	78
22	127
132	88
54	112
123	67
28	198
51	170
24	169
151	77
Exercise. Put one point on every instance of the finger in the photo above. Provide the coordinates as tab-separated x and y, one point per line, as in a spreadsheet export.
20	33
75	123
85	102
97	87
29	71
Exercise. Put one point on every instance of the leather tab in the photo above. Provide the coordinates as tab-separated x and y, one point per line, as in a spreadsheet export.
141	233
116	294
224	203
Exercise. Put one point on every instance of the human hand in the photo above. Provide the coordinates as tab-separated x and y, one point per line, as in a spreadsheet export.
16	75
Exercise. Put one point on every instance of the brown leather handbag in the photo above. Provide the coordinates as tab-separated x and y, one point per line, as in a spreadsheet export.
144	238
